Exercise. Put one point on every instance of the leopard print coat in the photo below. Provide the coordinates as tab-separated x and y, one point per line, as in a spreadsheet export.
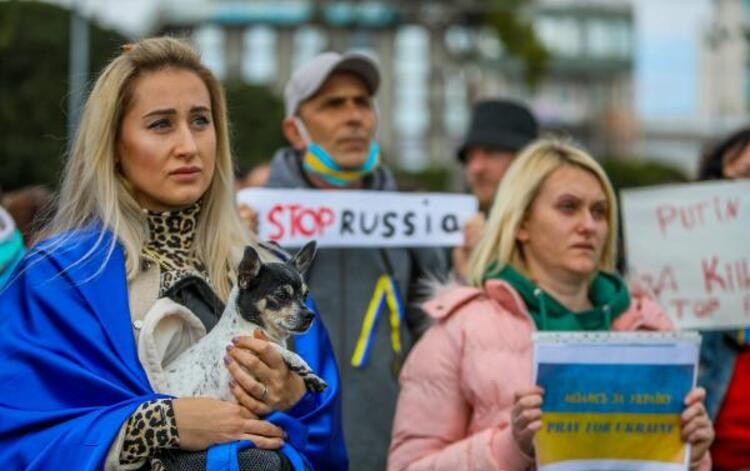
152	427
170	245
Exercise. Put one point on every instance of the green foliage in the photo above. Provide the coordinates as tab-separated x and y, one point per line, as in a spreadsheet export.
628	173
34	88
255	116
429	179
518	36
622	172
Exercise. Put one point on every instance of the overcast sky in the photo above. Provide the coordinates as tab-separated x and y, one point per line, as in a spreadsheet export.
666	68
131	17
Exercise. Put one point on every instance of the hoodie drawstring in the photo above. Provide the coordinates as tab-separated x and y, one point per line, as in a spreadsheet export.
538	293
607	316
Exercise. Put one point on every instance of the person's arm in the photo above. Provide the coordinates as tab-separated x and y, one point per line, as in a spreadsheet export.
150	428
429	431
318	414
68	349
203	422
74	382
192	424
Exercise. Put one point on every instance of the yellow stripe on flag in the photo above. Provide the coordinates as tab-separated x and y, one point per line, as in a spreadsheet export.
384	288
395	319
369	322
577	436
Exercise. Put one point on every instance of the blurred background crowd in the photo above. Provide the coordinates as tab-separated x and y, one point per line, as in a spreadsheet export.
646	86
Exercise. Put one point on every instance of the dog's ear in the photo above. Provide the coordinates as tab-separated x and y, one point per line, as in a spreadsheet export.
303	259
249	267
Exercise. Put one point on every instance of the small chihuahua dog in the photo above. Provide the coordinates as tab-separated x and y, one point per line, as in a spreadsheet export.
267	296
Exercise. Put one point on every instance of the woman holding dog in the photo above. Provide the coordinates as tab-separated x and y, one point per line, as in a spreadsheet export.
545	262
146	211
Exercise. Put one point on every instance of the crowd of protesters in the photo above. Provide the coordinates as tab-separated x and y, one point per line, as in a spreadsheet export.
146	211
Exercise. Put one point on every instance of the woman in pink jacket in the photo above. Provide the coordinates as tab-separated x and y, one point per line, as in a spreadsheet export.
545	262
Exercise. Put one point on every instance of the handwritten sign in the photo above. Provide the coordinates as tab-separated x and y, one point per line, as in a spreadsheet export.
613	400
691	245
360	218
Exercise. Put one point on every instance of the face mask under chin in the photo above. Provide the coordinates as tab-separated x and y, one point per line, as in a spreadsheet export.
319	163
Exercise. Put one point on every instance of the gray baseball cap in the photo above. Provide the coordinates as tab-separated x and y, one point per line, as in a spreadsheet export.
309	77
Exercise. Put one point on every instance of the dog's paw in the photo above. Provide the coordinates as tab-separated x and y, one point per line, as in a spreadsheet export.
314	383
299	368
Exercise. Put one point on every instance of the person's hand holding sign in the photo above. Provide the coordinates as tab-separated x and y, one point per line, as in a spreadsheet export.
526	417
697	429
249	216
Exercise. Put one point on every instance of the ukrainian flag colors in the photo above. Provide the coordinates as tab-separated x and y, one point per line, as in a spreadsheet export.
642	437
386	293
612	412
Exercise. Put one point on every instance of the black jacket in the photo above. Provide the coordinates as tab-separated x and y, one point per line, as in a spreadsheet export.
342	282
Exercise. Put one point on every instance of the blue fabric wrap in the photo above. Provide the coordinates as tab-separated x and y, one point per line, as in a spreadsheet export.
322	437
224	457
70	370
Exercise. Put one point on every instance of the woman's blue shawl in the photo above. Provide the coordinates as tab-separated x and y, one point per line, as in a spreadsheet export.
70	375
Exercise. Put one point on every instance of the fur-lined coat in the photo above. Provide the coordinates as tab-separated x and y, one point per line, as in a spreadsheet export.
457	385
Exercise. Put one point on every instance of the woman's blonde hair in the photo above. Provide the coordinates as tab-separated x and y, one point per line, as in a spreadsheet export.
94	192
520	185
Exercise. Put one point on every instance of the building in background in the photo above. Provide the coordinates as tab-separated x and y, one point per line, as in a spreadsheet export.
641	78
435	62
588	89
708	77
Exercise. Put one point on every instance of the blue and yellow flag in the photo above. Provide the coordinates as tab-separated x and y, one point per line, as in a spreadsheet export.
386	293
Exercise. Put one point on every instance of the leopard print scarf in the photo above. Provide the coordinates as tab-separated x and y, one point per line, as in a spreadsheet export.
170	245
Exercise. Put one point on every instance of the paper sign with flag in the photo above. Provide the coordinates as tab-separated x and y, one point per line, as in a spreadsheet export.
613	401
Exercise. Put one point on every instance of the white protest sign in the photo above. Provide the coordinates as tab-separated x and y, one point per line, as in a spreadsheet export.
359	218
613	400
691	245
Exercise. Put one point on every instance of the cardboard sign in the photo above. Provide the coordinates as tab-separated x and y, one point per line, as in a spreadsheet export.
343	218
613	401
690	244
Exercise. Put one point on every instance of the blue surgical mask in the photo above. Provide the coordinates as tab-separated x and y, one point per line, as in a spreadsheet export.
318	162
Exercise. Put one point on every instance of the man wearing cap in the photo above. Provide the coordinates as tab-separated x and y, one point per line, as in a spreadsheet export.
498	130
330	125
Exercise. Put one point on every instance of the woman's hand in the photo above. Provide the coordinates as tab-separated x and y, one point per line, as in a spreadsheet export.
526	417
262	381
203	422
697	429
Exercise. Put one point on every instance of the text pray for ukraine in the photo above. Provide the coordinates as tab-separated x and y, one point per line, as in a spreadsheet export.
607	427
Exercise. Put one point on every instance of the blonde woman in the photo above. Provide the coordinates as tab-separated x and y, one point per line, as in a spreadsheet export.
544	262
145	211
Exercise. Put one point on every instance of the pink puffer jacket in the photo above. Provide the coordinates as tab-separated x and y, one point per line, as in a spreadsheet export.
458	383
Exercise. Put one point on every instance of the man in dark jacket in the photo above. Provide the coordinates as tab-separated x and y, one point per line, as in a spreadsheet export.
499	129
330	124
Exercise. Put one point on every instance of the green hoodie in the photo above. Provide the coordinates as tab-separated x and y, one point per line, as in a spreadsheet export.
608	294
